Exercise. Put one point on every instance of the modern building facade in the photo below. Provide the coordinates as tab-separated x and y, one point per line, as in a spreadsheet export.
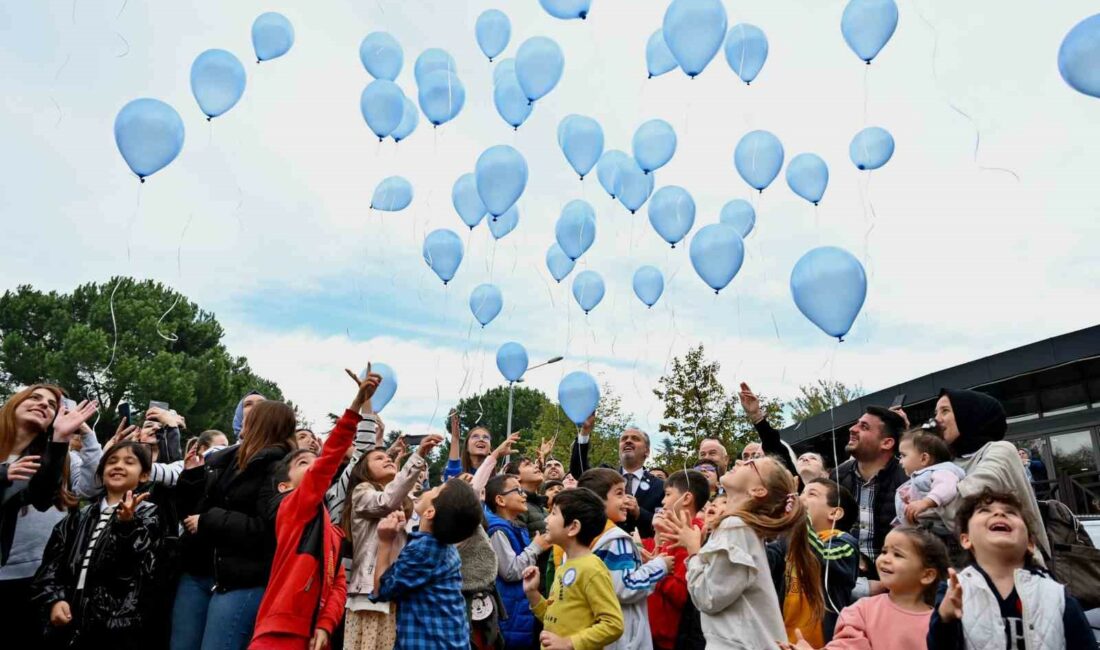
1050	389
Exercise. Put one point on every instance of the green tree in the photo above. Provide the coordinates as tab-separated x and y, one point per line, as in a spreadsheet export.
552	423
167	349
697	406
821	396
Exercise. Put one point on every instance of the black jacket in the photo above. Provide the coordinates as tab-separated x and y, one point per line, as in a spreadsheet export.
650	492
40	492
887	482
235	542
120	579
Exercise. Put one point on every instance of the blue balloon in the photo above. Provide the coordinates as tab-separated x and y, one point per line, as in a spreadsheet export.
539	64
149	135
658	58
717	252
694	31
381	55
505	223
871	148
635	185
558	263
808	176
581	140
746	50
441	96
443	253
512	361
486	302
217	81
579	395
654	143
467	203
649	284
272	36
672	213
410	117
493	30
501	174
386	389
510	101
504	67
829	286
1079	57
383	106
576	228
867	26
588	290
392	194
609	168
740	214
566	9
758	158
431	60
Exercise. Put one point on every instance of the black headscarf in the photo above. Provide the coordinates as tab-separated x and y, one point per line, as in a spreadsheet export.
980	419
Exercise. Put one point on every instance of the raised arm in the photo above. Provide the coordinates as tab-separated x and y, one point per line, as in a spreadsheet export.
578	455
770	440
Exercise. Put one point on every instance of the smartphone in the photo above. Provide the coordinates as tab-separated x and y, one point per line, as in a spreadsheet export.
70	404
124	412
412	441
899	401
160	405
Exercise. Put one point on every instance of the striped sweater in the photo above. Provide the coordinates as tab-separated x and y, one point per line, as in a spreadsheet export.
633	581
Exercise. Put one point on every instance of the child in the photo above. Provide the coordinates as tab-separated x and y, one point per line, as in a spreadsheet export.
831	509
96	579
548	489
633	580
1000	595
912	564
505	501
686	490
425	579
582	611
530	478
712	514
728	578
933	478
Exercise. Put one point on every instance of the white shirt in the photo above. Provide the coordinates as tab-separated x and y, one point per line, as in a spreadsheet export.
639	475
105	512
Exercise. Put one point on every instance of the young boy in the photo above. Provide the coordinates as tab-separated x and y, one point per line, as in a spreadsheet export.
1000	595
307	550
548	490
832	510
530	477
505	501
933	479
425	579
582	612
634	580
687	490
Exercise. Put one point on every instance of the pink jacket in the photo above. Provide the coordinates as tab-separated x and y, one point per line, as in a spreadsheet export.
876	623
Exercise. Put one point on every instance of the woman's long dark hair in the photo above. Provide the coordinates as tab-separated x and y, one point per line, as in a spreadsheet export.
270	424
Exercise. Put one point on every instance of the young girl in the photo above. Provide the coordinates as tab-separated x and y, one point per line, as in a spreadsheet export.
377	489
933	478
469	456
729	579
911	566
97	574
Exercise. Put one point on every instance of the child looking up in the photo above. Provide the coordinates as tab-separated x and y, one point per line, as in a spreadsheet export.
96	580
933	478
582	611
1000	595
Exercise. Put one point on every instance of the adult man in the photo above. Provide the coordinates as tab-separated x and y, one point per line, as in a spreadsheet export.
644	490
713	450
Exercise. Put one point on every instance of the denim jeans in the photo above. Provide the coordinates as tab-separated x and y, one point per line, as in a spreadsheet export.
203	619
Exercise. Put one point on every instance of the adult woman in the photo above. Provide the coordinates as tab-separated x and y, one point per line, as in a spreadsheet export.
467	458
35	430
230	539
973	424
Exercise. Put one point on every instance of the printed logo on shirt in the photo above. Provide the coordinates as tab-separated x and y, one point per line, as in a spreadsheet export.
569	578
1014	633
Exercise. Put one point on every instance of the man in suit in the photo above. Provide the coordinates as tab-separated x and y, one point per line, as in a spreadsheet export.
644	490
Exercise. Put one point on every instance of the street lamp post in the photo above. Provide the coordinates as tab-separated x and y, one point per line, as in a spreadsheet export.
511	387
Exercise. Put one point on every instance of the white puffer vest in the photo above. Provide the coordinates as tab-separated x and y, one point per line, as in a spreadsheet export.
1044	603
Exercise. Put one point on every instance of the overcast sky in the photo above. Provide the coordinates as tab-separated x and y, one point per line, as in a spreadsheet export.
268	205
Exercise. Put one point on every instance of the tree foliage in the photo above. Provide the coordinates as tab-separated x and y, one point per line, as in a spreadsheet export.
167	349
604	442
821	396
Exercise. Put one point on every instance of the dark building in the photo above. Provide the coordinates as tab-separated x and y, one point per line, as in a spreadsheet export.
1050	389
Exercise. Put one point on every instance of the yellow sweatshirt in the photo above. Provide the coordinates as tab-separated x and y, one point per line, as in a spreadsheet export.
582	605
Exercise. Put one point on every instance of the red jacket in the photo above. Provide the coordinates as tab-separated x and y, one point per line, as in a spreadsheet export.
667	601
307	589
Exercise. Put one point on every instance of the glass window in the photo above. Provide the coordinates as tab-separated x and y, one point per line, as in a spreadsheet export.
1062	397
1073	453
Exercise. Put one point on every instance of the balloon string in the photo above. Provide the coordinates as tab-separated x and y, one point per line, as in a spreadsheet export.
947	100
836	463
172	338
446	304
866	91
130	227
122	8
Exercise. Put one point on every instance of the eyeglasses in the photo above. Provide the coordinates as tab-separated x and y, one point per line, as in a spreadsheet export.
755	468
515	490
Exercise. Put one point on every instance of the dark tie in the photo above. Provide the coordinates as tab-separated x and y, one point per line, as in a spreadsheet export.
630	480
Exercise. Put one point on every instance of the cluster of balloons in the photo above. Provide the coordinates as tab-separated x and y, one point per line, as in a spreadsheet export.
149	133
691	35
530	76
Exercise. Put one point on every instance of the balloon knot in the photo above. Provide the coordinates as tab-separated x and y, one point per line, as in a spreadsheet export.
257	62
141	178
490	59
748	83
868	61
515	128
649	77
841	338
582	177
716	292
584	15
208	118
674	245
815	204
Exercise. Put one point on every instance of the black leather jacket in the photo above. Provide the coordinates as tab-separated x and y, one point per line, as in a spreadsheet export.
121	573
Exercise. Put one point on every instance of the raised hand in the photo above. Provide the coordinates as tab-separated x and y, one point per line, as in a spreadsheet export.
24	468
900	411
750	403
124	432
676	526
367	386
397	449
129	504
68	421
951	609
543	541
388	527
428	444
545	447
589	425
505	448
193	458
531	579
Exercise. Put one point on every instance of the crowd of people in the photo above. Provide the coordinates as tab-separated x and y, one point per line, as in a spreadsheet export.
928	536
